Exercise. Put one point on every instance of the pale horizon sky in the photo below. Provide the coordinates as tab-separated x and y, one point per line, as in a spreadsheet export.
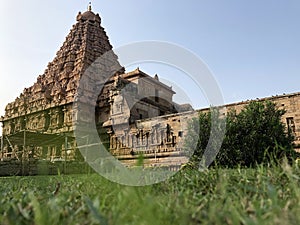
251	47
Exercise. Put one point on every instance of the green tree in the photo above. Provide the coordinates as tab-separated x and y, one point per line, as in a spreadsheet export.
253	136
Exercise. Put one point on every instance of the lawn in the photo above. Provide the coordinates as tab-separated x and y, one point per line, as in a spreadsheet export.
264	195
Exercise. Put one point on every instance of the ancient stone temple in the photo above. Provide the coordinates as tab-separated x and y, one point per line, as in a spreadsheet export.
39	123
132	112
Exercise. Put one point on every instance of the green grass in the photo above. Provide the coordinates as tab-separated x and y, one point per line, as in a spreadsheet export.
265	195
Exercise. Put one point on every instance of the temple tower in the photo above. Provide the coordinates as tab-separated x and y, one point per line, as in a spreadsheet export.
45	110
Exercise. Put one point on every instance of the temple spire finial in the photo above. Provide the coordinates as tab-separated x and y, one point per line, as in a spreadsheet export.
90	6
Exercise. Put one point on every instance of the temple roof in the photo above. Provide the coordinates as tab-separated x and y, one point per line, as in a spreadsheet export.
88	15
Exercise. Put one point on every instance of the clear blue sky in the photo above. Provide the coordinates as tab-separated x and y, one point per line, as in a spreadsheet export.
252	47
